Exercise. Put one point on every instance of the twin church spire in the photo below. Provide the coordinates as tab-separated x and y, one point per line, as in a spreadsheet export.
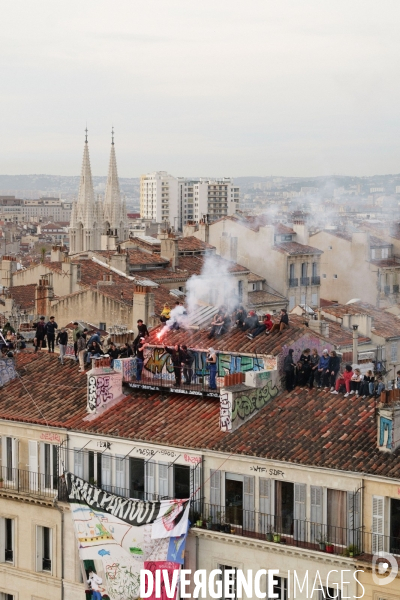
93	220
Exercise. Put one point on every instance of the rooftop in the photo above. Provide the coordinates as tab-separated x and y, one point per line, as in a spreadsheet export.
384	323
302	427
296	248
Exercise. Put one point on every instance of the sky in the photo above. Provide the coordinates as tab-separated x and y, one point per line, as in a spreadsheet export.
210	88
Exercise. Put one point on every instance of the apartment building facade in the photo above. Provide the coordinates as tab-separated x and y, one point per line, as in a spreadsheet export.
178	201
298	485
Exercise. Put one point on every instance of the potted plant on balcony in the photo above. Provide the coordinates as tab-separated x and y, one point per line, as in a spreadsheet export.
277	538
322	543
352	550
209	522
329	547
1	481
269	536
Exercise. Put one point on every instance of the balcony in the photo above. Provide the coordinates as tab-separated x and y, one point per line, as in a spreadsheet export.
293	282
21	482
304	281
386	290
166	382
316	280
317	537
395	288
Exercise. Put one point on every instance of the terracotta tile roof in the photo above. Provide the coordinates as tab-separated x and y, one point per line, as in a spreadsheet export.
234	340
300	427
296	248
23	295
260	297
343	337
384	324
386	262
378	242
281	229
253	277
255	222
138	257
188	266
307	427
192	244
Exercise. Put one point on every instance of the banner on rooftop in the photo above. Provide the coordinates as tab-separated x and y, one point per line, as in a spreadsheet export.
120	536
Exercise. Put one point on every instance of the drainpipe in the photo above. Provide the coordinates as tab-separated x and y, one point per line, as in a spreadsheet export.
355	344
55	503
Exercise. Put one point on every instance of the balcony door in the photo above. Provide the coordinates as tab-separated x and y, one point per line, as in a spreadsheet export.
394	526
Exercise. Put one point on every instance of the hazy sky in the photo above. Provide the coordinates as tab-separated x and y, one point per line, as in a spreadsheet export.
215	87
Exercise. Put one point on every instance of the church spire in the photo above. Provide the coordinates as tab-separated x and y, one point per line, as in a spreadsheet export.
86	192
112	201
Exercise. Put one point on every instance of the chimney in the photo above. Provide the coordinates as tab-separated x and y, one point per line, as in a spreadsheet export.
57	255
108	241
104	387
8	268
204	230
388	427
72	272
44	294
301	230
189	229
169	249
355	344
360	242
143	304
120	261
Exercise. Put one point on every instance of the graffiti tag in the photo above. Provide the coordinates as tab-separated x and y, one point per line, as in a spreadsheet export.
244	405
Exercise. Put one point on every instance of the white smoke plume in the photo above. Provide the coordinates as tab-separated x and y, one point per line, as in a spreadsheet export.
215	285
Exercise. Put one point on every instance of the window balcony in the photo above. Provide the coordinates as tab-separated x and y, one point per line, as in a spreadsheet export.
316	280
395	288
21	482
293	282
386	290
304	281
284	529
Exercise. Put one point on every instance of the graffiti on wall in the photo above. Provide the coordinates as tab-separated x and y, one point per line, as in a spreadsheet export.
102	389
127	367
158	364
7	370
238	407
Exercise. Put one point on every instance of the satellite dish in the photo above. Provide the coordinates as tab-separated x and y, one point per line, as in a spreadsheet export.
353	300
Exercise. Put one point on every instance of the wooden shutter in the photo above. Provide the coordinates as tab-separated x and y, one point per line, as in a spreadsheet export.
120	475
196	491
266	521
354	518
78	463
149	480
39	548
248	503
378	510
163	480
299	510
316	527
106	471
2	539
215	487
33	465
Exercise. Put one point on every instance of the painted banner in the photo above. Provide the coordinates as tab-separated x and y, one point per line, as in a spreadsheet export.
121	534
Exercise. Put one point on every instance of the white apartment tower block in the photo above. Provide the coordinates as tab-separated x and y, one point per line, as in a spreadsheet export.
178	200
159	197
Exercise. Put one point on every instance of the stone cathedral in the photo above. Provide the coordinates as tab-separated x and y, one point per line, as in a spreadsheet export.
94	221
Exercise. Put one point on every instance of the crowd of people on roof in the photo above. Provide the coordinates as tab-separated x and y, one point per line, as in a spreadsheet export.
325	372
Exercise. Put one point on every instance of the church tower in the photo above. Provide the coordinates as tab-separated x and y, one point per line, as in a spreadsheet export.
115	219
84	230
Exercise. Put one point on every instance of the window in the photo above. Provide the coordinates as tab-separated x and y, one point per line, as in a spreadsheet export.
304	269
9	458
314	299
393	352
335	277
181	481
6	540
324	275
291	302
43	548
49	465
281	588
136	478
291	271
314	269
330	248
302	299
385	252
78	463
5	596
228	590
330	593
373	253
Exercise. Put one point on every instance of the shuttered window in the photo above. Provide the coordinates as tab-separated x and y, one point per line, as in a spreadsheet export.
378	509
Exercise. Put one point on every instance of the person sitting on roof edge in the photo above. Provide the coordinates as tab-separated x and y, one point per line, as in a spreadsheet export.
344	380
265	326
283	323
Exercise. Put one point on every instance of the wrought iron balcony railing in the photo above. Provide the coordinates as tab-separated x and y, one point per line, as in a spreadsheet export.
293	282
